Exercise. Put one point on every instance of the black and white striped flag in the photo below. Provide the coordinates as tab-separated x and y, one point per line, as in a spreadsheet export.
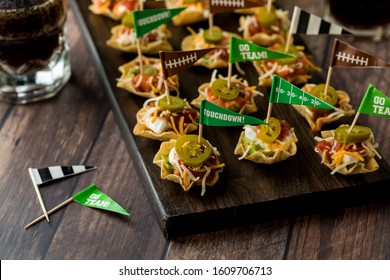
305	23
42	175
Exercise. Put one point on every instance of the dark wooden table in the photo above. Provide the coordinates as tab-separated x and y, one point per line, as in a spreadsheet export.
78	127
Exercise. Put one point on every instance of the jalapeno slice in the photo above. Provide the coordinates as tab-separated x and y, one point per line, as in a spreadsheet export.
191	152
266	18
219	87
175	104
127	20
288	60
213	36
330	97
148	70
269	133
357	135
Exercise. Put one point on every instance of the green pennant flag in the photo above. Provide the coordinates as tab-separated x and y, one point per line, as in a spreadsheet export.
213	115
147	20
285	92
241	50
93	197
375	103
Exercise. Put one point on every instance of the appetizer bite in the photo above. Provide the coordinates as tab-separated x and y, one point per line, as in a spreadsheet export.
162	120
267	143
347	152
124	38
295	70
265	28
205	38
114	9
239	97
194	12
188	162
316	117
151	83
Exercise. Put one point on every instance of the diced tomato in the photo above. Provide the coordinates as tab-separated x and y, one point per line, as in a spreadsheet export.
144	86
324	145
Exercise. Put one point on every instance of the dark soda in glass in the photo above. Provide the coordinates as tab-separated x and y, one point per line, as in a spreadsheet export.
361	14
30	34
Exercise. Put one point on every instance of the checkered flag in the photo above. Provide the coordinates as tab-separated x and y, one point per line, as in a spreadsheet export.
40	176
305	23
176	61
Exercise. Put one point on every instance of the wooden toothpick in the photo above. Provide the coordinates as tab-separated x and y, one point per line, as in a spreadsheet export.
328	80
38	195
269	6
40	218
229	77
354	122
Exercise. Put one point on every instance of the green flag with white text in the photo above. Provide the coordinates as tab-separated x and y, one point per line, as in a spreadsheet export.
375	103
285	92
213	115
93	197
241	50
147	20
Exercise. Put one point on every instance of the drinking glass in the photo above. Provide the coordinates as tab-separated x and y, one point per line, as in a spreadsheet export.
34	52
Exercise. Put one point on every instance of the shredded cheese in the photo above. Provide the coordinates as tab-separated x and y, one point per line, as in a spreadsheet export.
204	181
173	125
155	115
181	125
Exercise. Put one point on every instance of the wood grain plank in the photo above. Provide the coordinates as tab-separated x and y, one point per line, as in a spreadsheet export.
102	235
232	200
265	241
57	131
354	233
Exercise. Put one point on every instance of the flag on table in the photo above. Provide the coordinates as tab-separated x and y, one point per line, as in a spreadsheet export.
241	50
176	61
213	115
305	23
285	92
147	20
93	197
344	55
223	6
375	103
42	175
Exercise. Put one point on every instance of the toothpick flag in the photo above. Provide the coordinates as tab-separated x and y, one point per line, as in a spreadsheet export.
176	61
42	175
344	55
93	197
241	50
375	103
222	6
303	22
90	197
213	115
147	20
283	91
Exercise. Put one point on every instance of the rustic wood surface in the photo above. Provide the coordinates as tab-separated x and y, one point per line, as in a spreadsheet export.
77	127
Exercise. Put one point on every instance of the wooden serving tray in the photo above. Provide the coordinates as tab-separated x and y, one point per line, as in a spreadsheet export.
246	192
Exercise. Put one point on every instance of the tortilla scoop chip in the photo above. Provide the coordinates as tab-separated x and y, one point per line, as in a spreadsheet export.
167	172
260	157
